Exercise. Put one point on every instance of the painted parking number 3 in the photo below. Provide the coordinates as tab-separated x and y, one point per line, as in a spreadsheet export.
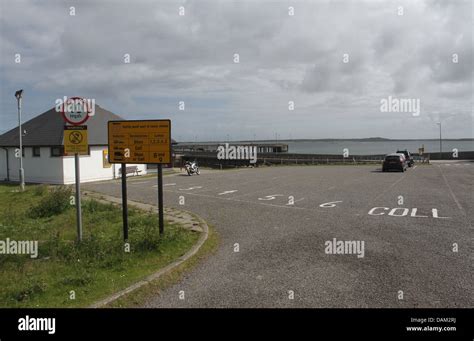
329	204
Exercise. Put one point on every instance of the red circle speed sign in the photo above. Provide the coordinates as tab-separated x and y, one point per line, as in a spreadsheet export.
75	110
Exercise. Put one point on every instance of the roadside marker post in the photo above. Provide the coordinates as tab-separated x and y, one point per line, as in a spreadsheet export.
124	201
160	198
78	198
141	142
76	142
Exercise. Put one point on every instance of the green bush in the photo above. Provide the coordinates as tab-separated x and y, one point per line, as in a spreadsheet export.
53	203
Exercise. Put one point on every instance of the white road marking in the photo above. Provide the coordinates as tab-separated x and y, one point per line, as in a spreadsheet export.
190	188
404	212
329	204
228	192
295	202
372	210
247	201
270	197
138	182
452	193
164	185
434	211
413	213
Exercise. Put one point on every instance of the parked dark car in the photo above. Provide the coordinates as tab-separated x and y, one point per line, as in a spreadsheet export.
408	157
395	161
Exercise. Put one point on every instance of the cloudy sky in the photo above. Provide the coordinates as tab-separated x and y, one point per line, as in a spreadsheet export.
335	60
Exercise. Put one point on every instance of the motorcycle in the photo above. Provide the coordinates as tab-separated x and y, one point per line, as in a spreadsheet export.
192	168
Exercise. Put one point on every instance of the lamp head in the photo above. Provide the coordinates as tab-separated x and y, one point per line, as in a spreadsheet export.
18	94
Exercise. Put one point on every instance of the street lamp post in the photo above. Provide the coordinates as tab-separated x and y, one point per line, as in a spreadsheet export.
18	96
440	140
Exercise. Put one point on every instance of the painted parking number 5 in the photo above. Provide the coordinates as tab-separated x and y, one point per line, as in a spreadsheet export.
329	204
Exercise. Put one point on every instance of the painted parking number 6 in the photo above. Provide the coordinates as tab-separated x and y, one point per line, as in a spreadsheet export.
329	204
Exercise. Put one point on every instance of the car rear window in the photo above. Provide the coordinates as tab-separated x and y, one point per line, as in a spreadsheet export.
392	158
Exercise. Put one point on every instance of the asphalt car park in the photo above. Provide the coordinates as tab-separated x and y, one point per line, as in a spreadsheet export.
274	224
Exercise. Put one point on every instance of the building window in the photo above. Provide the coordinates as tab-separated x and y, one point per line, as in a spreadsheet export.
56	151
36	151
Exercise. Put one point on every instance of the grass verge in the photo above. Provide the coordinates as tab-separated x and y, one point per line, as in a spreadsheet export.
67	274
139	297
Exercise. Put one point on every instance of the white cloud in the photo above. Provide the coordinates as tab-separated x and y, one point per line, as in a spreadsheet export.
282	58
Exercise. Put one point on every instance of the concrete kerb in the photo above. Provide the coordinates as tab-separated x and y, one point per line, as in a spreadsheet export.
194	223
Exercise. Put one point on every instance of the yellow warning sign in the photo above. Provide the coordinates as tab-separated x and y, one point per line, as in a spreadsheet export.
105	158
147	141
75	140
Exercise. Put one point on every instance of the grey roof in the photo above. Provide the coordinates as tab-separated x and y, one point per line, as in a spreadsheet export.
47	129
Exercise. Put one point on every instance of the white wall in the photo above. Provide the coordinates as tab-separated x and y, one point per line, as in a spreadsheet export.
91	167
43	169
59	170
3	164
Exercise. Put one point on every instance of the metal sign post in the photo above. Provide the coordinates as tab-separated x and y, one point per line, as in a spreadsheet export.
78	198
124	201
76	142
160	199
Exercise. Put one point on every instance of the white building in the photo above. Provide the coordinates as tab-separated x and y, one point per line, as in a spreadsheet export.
44	160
